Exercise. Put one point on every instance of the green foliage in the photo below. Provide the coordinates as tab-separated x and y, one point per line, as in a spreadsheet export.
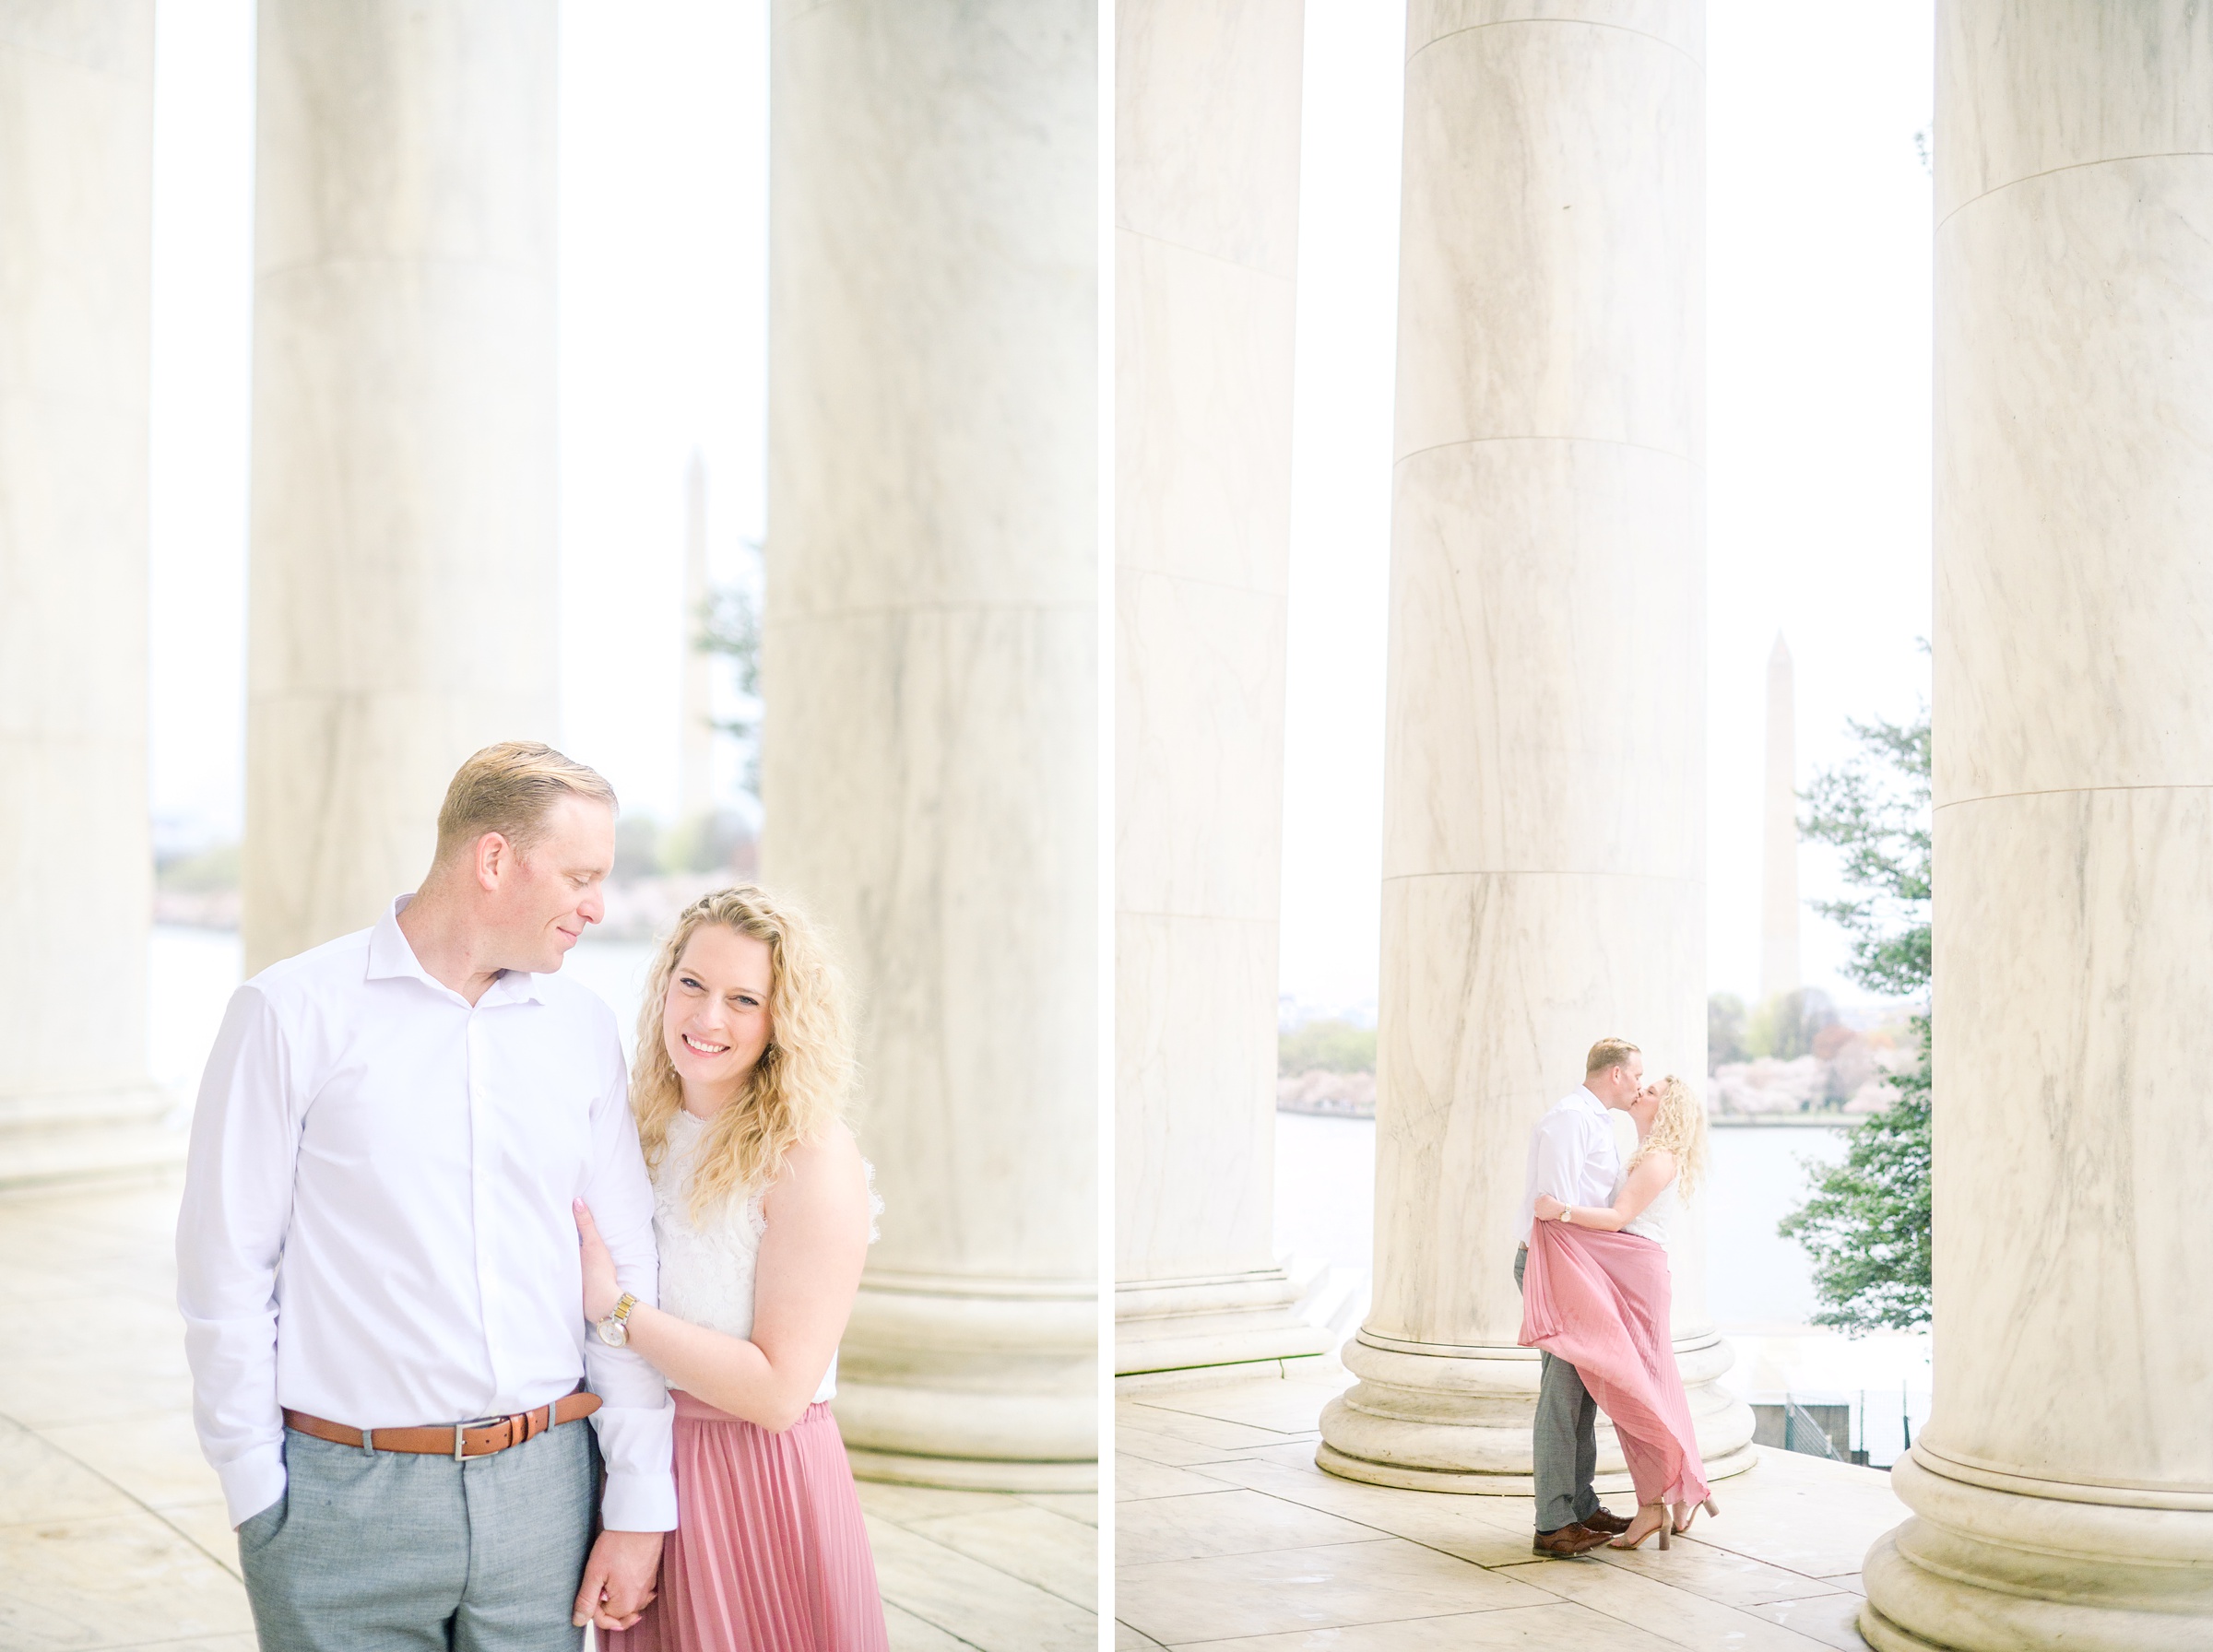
644	848
1875	808
1328	1045
637	847
729	625
1725	1029
1786	1025
204	873
1867	1225
703	843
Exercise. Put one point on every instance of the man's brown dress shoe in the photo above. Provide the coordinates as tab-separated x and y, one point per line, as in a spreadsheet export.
1568	1540
1613	1525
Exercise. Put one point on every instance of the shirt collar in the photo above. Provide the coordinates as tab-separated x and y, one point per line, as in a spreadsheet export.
1587	1099
391	958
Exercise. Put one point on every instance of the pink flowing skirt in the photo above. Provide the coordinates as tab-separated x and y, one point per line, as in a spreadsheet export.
769	1553
1600	1302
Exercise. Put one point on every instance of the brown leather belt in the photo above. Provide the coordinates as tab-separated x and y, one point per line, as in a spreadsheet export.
460	1440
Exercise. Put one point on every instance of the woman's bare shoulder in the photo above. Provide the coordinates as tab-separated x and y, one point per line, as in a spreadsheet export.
824	1170
830	1148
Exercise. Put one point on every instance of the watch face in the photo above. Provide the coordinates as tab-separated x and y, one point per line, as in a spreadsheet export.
613	1332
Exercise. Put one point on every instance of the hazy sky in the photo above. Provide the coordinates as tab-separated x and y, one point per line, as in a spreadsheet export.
1819	259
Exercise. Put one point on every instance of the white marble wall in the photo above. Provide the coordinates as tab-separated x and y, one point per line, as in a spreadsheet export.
2063	1487
932	681
403	589
1206	243
1545	765
76	867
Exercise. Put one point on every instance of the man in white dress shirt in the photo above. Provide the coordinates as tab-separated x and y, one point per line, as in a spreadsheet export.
378	1265
1573	1158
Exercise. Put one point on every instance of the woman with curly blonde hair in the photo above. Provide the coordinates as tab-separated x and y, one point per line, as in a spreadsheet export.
763	1212
1601	1300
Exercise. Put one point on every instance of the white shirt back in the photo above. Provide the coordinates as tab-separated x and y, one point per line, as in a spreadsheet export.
376	1225
1571	1156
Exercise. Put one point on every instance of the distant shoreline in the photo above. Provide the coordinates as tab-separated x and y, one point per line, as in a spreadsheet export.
1329	1110
1787	1121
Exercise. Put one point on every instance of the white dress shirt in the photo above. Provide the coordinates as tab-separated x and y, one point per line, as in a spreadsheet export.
1571	1156
376	1226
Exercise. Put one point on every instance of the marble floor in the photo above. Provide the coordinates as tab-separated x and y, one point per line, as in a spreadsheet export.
1229	1538
111	1528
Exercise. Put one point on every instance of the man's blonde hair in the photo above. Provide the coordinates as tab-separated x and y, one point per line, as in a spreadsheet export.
1609	1052
510	788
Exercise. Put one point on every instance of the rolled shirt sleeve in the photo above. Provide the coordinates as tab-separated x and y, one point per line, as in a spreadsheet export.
231	1233
635	1421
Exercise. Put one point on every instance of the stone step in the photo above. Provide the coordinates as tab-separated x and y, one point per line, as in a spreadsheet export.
76	1142
1332	1298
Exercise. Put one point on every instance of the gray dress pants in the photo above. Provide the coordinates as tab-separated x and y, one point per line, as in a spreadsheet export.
1567	1438
374	1550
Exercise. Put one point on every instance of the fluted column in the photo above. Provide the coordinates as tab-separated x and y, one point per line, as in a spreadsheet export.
2063	1489
75	865
1206	244
1544	805
402	610
931	678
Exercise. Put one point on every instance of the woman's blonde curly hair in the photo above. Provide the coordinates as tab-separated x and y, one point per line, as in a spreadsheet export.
1680	1127
797	1087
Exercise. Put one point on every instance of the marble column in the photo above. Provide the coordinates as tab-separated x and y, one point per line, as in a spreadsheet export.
76	862
402	608
1543	821
2063	1489
1206	244
931	674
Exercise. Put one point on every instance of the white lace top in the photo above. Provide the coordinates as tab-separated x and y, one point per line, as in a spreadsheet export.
707	1269
1649	1222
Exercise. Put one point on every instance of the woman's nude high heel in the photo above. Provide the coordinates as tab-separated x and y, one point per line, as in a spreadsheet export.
1633	1538
1713	1511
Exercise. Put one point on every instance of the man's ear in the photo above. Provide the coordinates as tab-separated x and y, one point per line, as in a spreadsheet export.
495	855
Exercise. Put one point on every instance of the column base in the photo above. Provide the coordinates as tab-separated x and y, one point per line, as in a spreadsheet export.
1427	1418
1994	1562
970	1474
1237	1325
974	1383
93	1136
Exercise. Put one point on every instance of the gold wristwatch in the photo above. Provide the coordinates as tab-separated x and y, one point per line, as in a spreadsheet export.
614	1330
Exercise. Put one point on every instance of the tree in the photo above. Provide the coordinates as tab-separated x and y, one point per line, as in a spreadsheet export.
729	625
1786	1025
1724	1030
1867	1225
1326	1045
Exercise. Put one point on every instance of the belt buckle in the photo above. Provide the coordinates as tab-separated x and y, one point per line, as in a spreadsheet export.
460	1436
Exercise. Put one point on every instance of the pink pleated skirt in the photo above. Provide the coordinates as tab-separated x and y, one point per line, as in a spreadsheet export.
1601	1300
769	1553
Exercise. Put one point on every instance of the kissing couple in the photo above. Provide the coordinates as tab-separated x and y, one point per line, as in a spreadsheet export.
1596	1296
431	1226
